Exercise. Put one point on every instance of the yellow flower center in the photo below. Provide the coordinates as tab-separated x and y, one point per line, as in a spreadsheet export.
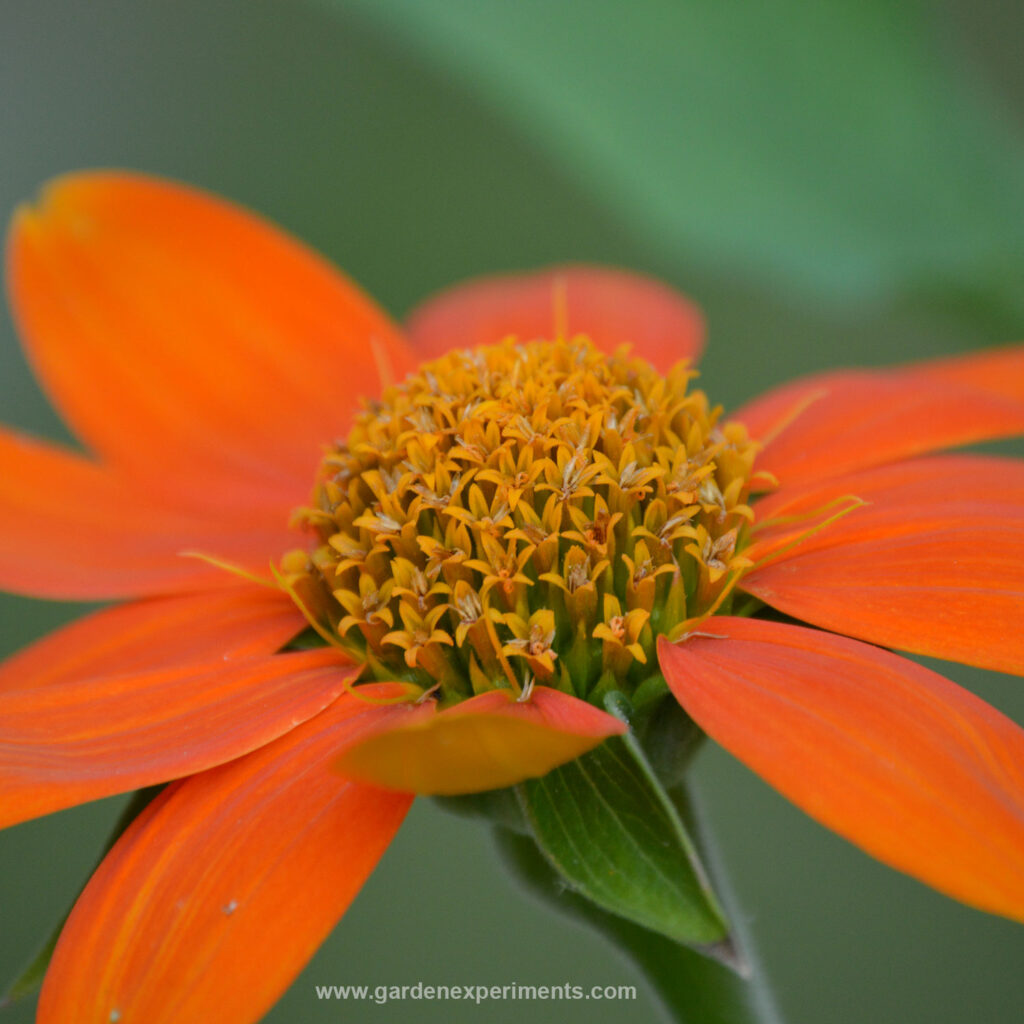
525	513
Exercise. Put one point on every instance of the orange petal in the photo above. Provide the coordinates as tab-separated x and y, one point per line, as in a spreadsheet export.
999	371
944	578
913	769
82	739
611	306
929	481
834	423
71	529
146	635
218	894
486	742
190	341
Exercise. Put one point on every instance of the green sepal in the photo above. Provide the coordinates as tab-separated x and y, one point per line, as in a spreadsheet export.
608	827
606	684
497	806
669	738
308	640
650	691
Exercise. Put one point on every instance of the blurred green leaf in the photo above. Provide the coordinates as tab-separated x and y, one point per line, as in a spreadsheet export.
611	831
840	146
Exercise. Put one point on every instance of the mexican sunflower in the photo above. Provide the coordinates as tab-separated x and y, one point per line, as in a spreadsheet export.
360	563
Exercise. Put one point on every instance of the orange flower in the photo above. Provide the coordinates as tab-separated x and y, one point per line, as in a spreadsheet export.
500	538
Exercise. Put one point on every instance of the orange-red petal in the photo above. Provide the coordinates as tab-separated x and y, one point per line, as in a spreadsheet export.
941	576
929	481
189	341
71	529
487	742
612	307
1000	371
82	739
906	764
835	423
191	629
215	898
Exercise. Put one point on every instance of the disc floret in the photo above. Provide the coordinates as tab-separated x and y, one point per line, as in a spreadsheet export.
525	513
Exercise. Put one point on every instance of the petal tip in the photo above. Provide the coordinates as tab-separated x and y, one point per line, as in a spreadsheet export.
487	742
611	305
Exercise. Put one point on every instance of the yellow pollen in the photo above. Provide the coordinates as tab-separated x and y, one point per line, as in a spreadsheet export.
524	513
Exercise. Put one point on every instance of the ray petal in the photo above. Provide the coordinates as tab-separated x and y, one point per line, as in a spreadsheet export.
932	480
72	529
906	764
1000	371
191	629
189	341
487	742
921	568
81	739
218	894
835	423
612	307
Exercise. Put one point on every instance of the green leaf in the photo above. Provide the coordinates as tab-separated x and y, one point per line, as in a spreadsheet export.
694	988
608	827
842	147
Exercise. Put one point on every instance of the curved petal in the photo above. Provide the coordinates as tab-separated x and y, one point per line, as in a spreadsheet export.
944	578
193	629
929	481
218	894
835	423
487	742
1000	371
190	341
71	529
913	769
612	307
79	740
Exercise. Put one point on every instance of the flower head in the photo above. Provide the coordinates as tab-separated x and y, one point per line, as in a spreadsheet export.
360	568
470	509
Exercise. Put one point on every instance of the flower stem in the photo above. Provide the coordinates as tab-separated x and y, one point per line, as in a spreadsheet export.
694	988
746	998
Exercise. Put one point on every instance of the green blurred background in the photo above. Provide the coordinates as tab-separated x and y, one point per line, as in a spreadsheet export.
836	183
